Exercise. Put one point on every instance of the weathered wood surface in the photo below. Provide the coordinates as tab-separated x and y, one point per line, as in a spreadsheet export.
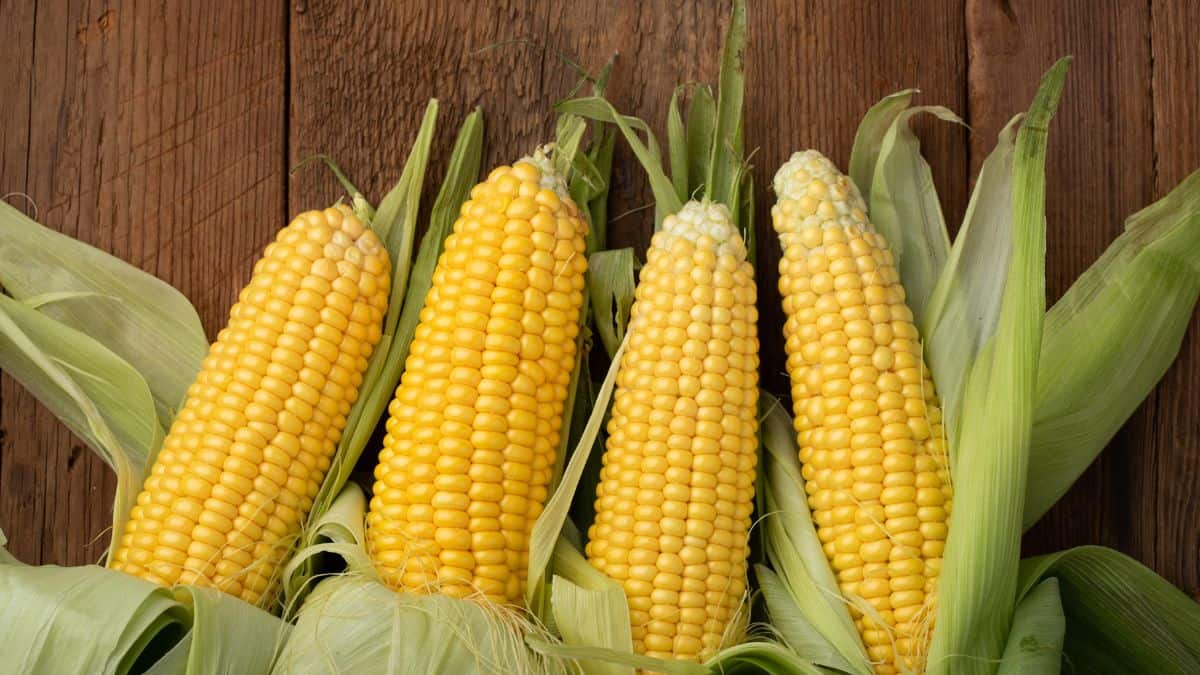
165	135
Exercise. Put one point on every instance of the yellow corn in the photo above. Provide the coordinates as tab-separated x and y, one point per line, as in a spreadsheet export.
474	426
676	492
246	454
872	444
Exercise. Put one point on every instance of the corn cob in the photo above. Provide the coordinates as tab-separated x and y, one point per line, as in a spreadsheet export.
676	490
872	444
475	423
246	454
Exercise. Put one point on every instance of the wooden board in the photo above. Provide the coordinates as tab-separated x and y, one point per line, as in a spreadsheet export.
166	135
158	135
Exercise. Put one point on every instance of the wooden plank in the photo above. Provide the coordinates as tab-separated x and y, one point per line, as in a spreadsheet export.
18	503
813	70
1103	123
1176	422
157	134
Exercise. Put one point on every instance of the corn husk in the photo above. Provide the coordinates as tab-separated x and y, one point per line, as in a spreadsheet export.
898	187
93	620
1121	616
1035	643
1109	340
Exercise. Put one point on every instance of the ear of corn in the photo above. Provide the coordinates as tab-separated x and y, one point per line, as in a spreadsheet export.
676	492
475	422
872	443
246	455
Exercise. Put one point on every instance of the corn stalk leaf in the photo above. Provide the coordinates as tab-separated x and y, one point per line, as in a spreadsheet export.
1110	339
1121	616
792	546
98	395
138	317
94	620
1035	644
869	138
906	210
978	583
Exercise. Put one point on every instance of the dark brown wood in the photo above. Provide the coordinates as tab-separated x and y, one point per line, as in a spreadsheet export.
1176	89
156	133
821	66
165	134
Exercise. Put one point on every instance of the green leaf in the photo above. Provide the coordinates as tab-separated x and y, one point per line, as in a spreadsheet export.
648	154
611	285
701	124
756	657
1121	616
351	624
725	159
677	147
140	318
869	138
90	619
962	313
977	586
800	635
906	210
601	154
99	396
1110	339
1035	643
792	546
589	609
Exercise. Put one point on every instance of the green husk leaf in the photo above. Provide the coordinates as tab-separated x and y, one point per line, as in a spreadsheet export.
611	285
587	653
792	546
758	656
98	395
1110	339
1035	644
677	147
962	313
1121	616
701	125
338	531
601	155
138	317
869	138
589	609
353	624
906	210
549	524
725	158
977	586
647	153
793	627
94	620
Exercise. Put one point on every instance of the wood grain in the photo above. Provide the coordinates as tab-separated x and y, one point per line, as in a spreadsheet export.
155	133
1176	88
165	133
